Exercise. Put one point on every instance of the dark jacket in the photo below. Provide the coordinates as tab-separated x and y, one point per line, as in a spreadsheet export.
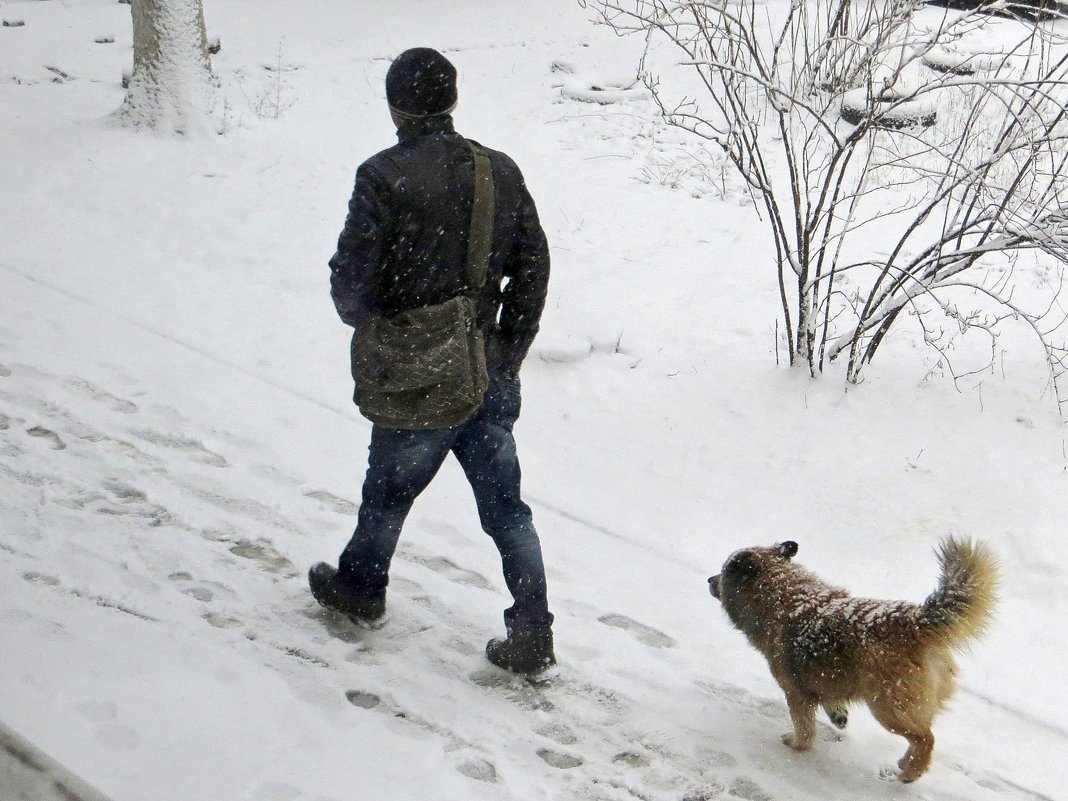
404	244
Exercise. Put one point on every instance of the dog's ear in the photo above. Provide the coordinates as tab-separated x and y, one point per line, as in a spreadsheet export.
742	564
788	549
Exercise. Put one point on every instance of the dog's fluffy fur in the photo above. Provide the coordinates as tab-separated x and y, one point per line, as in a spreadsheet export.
827	648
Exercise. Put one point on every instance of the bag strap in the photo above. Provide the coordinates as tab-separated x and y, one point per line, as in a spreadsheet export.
480	239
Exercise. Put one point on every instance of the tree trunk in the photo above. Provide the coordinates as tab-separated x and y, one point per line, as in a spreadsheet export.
172	85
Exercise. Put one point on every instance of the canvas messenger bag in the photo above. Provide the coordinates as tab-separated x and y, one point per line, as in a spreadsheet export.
426	367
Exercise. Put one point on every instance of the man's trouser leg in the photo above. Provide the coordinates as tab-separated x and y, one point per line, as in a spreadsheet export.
486	450
400	465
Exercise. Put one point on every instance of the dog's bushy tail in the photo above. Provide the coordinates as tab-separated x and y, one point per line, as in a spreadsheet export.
960	609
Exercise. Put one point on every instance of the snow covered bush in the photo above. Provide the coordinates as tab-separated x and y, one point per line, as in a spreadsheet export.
921	203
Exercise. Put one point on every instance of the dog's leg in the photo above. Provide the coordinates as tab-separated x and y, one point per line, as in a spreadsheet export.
918	758
802	713
918	732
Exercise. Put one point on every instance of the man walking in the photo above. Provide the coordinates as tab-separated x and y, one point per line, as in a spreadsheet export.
440	229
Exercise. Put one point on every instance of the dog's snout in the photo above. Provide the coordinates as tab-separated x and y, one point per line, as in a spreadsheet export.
713	586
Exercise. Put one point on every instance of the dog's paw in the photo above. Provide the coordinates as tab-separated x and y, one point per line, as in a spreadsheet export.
795	742
889	774
838	715
909	771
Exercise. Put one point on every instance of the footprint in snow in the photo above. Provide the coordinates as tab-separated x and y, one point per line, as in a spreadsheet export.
333	502
479	770
714	758
559	760
362	699
202	594
272	473
44	629
632	759
265	556
644	634
742	697
8	448
366	700
5	371
124	492
192	448
450	570
109	603
997	784
341	628
464	647
114	735
126	501
705	792
203	591
402	584
522	692
117	446
304	656
247	507
54	441
40	578
222	621
749	790
558	733
99	395
31	372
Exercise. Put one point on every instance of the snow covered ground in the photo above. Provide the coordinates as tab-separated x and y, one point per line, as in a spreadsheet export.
177	446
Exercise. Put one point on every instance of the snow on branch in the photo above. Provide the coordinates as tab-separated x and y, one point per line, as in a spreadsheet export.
940	134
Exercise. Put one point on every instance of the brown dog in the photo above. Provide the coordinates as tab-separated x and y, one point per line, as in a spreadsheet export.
827	648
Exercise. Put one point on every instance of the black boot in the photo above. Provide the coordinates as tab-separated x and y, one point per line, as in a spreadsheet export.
525	654
330	591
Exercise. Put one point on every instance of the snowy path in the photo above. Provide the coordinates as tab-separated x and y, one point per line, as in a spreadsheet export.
210	535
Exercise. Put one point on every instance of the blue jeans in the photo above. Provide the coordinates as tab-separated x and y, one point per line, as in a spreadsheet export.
401	464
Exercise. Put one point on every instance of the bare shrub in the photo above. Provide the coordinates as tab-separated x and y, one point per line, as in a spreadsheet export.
950	170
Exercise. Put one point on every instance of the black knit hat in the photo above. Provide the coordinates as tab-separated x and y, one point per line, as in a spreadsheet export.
421	83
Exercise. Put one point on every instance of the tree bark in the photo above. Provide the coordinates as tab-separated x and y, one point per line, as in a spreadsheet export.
172	83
